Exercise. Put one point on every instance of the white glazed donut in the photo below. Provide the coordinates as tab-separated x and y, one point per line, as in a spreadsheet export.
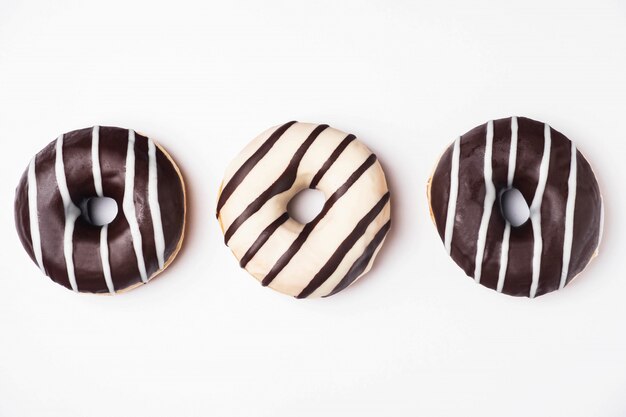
326	255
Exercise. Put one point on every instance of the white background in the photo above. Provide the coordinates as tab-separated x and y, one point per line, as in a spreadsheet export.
415	336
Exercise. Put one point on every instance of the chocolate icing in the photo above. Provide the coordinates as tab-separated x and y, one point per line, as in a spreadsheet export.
469	207
78	169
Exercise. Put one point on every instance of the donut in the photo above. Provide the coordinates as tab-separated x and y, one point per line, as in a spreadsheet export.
55	229
564	229
327	254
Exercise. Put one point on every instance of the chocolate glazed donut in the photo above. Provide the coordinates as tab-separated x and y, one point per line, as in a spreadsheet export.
564	229
142	239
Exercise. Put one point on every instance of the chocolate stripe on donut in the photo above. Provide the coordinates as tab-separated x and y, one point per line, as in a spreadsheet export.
33	216
71	214
129	205
331	160
269	230
263	237
308	228
305	260
361	263
283	183
489	200
569	217
333	263
247	166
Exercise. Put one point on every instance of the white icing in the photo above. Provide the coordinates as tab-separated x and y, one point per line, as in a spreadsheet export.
454	190
535	211
601	221
128	205
33	215
568	237
104	255
504	251
71	213
95	160
490	198
97	182
155	207
504	256
329	232
512	152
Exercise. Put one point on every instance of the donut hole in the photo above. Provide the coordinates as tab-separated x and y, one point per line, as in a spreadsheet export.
305	205
514	207
99	211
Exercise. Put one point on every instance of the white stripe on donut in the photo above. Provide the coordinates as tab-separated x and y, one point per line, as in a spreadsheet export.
128	205
490	198
535	210
71	213
33	215
454	190
104	255
601	231
155	207
570	206
504	251
97	182
95	160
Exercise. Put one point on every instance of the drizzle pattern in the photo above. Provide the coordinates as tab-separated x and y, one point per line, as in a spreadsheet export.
564	228
100	162
330	252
